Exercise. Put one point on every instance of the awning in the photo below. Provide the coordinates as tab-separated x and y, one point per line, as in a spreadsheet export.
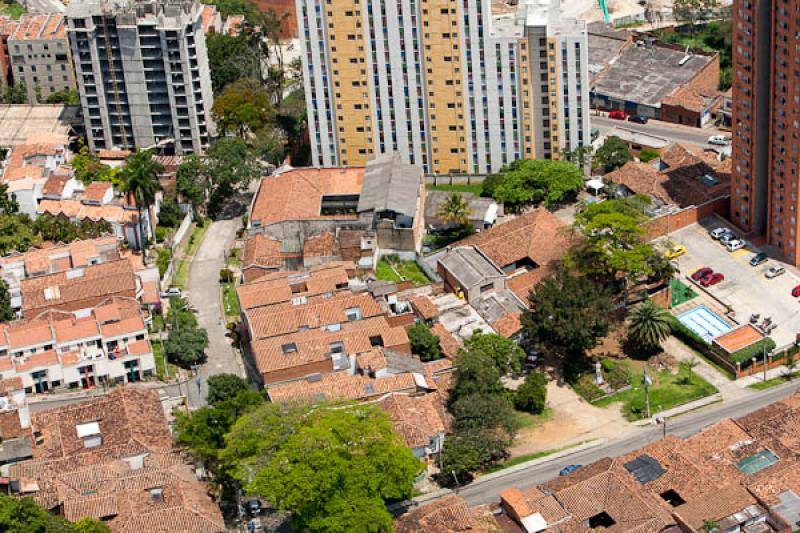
595	184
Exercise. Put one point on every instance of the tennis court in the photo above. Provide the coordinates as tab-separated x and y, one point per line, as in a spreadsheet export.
704	322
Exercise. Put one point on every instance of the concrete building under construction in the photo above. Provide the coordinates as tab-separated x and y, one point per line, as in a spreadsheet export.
142	73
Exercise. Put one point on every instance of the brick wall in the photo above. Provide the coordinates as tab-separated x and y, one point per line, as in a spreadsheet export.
400	320
658	227
707	80
297	372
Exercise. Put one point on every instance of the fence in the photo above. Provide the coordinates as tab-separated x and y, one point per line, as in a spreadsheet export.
454	179
176	245
662	16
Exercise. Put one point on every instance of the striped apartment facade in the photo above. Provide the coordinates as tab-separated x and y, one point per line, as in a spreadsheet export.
456	86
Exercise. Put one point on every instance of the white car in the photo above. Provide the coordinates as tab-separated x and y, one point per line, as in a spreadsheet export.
735	244
717	233
774	271
172	291
719	140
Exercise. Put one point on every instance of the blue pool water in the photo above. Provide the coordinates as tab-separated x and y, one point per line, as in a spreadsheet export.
704	322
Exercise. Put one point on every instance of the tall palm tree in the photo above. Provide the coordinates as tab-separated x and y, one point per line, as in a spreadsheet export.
649	325
455	210
140	178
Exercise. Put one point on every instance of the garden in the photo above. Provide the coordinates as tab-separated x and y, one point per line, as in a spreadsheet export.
392	268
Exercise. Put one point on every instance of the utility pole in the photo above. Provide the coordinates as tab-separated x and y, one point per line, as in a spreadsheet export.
764	350
646	381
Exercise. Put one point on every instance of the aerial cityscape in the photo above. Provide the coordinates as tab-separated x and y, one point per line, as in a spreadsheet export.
422	266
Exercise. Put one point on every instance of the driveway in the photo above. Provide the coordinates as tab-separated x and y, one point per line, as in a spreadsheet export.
204	295
745	288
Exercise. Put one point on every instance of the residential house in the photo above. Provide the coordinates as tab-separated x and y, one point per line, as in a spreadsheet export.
281	287
421	420
59	349
448	514
467	272
111	458
27	168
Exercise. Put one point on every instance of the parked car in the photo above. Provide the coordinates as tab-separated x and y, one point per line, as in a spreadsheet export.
618	115
719	140
568	470
718	233
727	237
712	279
701	273
774	271
759	258
796	291
675	251
735	244
171	292
594	133
639	119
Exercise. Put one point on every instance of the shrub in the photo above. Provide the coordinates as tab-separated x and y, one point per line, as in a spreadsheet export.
225	275
648	154
689	337
754	350
531	396
587	389
162	260
162	233
424	344
616	374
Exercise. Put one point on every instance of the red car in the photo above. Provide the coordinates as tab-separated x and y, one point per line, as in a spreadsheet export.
796	291
701	273
711	279
618	115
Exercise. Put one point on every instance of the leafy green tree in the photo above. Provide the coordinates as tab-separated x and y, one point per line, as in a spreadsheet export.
163	257
424	344
649	326
66	96
567	314
333	468
291	117
15	94
23	515
58	228
580	156
531	396
230	166
536	181
6	311
191	181
455	210
169	214
242	107
269	144
88	169
507	354
613	154
8	202
140	177
648	154
16	233
476	373
186	346
222	387
231	58
90	525
179	315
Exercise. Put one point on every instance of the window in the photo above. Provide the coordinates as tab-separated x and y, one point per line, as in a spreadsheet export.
289	348
337	347
156	495
376	340
601	520
354	313
486	288
672	498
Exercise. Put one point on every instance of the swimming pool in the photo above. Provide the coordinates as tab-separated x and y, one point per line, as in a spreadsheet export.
704	322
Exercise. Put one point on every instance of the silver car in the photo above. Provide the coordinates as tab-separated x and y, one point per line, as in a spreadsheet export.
774	271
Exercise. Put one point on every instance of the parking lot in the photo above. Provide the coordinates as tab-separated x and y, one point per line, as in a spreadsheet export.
745	288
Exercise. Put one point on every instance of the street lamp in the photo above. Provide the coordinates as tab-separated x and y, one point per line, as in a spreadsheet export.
647	381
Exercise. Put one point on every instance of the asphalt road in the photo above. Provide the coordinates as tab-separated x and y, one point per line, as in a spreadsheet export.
204	295
682	426
665	130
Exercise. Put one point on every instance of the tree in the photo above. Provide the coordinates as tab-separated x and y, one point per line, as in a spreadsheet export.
424	344
506	354
169	214
15	94
691	11
231	58
88	168
269	144
6	311
613	154
648	154
567	314
580	156
476	374
230	166
222	387
8	202
455	210
58	228
16	233
90	525
531	396
23	515
66	96
530	181
186	347
191	181
242	107
140	177
333	468
649	326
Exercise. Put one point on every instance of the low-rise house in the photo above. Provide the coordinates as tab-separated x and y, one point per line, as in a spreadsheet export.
421	420
111	459
280	287
467	272
449	514
58	349
27	168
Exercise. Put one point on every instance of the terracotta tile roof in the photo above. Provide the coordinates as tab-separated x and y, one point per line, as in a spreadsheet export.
117	155
140	347
70	358
280	289
721	503
538	235
10	384
424	307
209	18
94	507
340	386
40	27
22	334
41	359
508	325
72	329
317	312
6	363
322	245
54	186
127	326
314	345
75	209
64	289
96	191
263	251
449	514
27	160
56	258
447	342
692	98
679	184
417	419
739	338
297	194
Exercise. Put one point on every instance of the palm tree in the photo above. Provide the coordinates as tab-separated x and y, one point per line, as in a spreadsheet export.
455	210
649	325
140	178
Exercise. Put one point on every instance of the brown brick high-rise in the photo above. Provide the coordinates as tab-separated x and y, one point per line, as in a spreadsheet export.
766	111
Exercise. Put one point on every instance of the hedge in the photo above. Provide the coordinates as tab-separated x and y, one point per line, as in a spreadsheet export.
754	350
689	337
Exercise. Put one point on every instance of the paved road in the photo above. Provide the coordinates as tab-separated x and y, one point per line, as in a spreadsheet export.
665	130
204	295
683	426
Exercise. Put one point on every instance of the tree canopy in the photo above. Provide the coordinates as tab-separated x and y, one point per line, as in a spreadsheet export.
23	515
531	396
242	107
612	154
649	326
455	210
6	311
231	58
507	354
529	181
334	468
223	387
424	344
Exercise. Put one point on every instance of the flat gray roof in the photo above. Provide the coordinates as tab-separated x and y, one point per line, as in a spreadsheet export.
646	75
469	266
390	185
20	121
603	48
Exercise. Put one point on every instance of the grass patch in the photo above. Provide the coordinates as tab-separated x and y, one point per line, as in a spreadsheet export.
164	369
474	188
667	391
12	9
529	457
192	245
230	301
407	270
681	292
182	273
527	420
774	382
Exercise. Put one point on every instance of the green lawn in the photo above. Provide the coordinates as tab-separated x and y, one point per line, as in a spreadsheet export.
680	292
230	301
774	382
161	361
529	457
12	9
667	391
192	245
527	420
474	188
408	270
